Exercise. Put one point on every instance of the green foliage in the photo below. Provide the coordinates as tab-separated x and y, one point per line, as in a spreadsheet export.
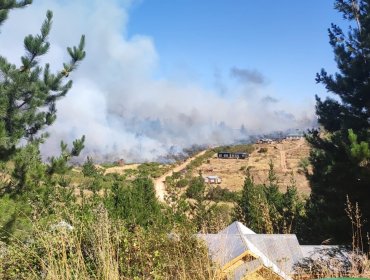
135	203
59	165
265	209
182	183
100	248
13	218
241	148
221	194
340	150
152	169
28	94
7	5
89	169
29	171
196	188
358	151
199	160
249	208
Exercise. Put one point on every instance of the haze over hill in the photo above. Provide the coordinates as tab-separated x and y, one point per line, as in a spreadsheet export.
124	111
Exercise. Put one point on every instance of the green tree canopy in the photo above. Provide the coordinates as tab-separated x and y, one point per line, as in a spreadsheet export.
28	96
28	93
7	5
340	155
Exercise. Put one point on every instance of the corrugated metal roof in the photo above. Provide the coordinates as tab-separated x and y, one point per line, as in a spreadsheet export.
278	252
224	248
281	249
212	177
237	228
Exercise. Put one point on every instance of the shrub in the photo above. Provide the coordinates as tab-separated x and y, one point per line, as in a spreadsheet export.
89	169
221	194
196	188
182	183
134	202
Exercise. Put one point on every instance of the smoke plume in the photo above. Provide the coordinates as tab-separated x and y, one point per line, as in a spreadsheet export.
115	101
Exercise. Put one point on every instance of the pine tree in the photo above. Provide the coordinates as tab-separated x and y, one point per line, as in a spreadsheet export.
265	209
7	5
28	96
248	208
340	154
28	93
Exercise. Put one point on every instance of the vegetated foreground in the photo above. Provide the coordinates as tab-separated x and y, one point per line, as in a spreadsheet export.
59	223
289	157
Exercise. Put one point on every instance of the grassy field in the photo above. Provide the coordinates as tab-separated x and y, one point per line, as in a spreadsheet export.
288	158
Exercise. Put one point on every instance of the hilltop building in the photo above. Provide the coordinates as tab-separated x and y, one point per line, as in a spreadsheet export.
265	141
294	136
232	155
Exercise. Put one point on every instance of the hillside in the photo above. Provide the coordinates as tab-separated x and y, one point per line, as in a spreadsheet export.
287	157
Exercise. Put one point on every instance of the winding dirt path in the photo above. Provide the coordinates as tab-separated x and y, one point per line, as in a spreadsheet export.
160	188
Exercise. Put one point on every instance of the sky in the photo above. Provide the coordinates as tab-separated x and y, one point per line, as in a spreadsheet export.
162	75
286	41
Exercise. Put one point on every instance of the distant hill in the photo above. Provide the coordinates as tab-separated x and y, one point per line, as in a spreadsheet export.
288	156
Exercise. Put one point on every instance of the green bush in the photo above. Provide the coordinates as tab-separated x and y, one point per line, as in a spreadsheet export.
196	188
182	183
221	194
89	169
134	202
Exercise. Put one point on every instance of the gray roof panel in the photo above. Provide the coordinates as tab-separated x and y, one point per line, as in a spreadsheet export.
282	249
224	248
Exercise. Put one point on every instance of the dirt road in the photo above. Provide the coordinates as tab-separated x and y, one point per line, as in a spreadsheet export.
159	185
283	153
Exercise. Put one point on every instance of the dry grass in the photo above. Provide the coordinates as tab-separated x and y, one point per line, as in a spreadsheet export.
106	250
339	262
121	169
232	171
354	265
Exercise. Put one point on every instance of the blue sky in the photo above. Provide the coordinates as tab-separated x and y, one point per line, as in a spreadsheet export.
162	75
284	40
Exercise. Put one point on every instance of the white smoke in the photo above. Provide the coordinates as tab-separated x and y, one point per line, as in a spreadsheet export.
115	101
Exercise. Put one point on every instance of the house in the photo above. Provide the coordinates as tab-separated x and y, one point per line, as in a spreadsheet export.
265	141
294	136
212	179
242	254
232	155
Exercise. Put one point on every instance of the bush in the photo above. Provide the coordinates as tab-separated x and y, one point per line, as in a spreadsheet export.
136	202
221	194
182	183
196	188
265	209
89	169
151	169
